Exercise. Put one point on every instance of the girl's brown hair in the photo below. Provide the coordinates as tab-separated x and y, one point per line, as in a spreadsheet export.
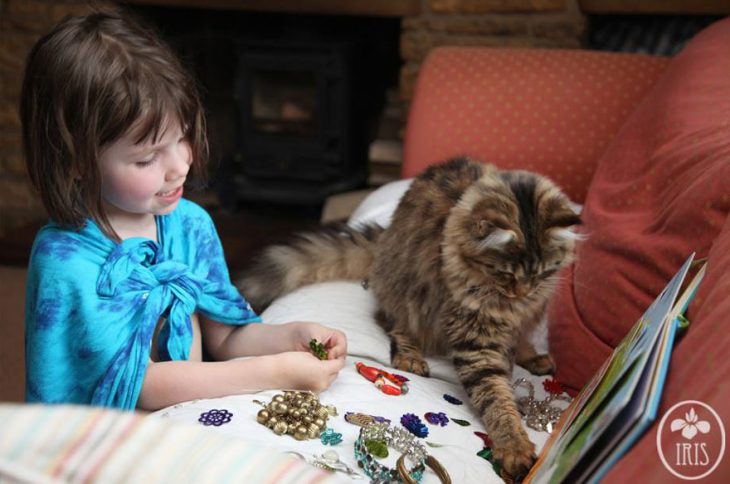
87	83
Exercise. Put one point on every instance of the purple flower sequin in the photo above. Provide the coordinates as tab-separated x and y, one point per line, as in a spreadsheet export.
439	418
414	425
215	417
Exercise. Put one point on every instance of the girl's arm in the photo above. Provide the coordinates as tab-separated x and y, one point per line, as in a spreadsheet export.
224	342
170	382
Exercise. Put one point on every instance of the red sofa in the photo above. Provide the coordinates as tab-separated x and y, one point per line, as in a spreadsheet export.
644	143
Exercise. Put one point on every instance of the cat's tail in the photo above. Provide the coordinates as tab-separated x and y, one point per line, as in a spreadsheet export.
330	253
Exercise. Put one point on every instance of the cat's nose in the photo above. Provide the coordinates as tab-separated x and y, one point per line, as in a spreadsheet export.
521	290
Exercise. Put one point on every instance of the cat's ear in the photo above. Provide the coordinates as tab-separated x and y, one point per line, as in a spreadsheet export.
564	218
562	223
565	234
497	239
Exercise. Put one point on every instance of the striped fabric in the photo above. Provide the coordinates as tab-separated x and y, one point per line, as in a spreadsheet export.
48	444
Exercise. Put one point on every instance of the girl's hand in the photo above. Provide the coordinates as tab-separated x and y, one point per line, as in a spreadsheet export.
298	370
334	341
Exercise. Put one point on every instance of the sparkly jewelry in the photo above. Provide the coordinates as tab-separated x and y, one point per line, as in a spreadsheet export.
403	442
398	438
540	415
298	414
329	461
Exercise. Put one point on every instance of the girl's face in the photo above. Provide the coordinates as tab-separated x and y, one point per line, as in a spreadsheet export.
140	181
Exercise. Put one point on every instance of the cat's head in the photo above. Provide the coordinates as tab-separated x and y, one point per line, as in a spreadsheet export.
511	233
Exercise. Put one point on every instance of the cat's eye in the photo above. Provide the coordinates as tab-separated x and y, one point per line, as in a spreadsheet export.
506	275
548	273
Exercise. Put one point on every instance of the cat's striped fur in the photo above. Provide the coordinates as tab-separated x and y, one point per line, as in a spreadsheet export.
465	268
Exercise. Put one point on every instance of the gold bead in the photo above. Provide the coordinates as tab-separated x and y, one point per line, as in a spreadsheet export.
313	431
295	413
320	423
262	416
323	413
300	433
271	422
278	398
280	408
307	419
280	428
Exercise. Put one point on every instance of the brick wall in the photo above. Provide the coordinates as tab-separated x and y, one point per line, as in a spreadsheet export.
22	22
519	23
512	23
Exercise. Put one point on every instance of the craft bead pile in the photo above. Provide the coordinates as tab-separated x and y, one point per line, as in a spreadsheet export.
298	414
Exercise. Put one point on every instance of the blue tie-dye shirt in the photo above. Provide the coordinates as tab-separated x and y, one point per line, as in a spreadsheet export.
92	305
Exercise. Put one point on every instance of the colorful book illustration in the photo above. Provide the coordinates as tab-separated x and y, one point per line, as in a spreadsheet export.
619	403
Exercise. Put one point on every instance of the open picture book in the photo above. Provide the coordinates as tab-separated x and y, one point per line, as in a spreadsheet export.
621	400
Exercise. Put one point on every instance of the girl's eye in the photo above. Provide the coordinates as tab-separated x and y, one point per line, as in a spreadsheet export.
146	162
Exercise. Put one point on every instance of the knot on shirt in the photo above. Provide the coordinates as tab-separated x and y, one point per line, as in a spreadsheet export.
135	271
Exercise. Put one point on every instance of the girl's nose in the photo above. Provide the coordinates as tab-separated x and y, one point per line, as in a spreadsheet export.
179	161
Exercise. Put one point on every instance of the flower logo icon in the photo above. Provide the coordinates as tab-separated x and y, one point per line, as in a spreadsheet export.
690	440
690	425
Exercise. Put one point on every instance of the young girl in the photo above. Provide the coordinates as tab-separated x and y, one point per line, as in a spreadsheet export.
128	280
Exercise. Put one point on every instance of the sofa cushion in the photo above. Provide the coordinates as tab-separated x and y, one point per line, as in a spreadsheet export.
547	110
699	370
660	192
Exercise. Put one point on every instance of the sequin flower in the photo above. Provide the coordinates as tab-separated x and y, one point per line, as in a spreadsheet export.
451	399
439	418
215	417
414	425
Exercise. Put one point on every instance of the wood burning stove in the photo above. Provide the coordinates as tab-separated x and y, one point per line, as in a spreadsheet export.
299	136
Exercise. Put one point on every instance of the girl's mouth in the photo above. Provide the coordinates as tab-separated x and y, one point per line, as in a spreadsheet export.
171	195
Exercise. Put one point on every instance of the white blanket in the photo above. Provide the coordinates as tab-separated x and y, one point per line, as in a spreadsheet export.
349	307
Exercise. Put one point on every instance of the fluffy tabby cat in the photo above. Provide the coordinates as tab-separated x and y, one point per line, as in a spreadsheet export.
465	268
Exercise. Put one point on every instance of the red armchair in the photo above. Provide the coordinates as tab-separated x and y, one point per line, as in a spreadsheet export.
644	143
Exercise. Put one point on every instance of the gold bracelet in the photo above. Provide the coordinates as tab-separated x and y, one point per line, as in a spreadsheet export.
431	462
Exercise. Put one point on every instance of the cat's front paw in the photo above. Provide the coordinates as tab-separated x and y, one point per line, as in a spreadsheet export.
539	365
410	363
516	457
